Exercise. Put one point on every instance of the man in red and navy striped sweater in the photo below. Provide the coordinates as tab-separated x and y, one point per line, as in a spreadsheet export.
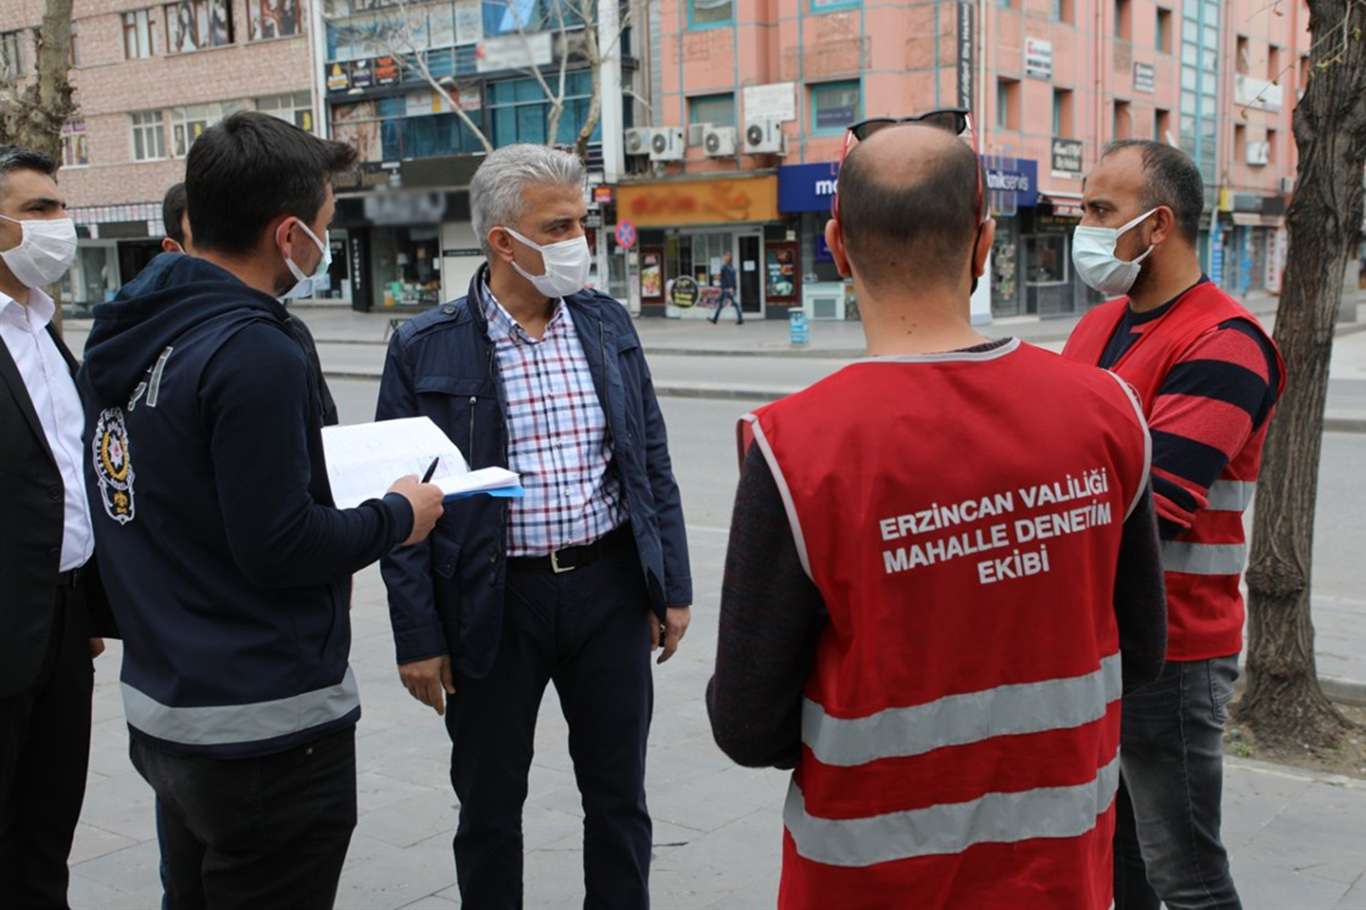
1209	377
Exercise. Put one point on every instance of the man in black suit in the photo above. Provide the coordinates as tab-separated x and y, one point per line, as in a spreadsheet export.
51	603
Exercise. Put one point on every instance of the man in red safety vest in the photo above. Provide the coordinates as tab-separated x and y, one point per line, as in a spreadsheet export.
1209	377
942	573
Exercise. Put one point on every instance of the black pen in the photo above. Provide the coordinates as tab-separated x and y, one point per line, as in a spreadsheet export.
431	469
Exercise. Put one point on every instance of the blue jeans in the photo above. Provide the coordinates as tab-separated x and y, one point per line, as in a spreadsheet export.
1167	845
728	300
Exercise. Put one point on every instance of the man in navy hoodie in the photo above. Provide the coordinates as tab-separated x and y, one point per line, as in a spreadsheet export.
227	563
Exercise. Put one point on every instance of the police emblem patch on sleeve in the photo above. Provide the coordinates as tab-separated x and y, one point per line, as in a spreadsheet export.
114	465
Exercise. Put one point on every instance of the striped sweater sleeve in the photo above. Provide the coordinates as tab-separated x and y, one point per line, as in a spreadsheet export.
1216	398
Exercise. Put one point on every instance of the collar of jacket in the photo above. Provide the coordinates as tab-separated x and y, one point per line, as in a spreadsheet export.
582	306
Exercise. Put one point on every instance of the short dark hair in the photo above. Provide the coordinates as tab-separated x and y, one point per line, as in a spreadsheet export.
172	211
916	230
1172	179
17	158
250	168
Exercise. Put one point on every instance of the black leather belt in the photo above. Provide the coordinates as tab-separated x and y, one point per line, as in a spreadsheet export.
571	558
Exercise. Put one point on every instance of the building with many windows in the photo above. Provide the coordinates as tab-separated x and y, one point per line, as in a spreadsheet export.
403	218
752	97
149	78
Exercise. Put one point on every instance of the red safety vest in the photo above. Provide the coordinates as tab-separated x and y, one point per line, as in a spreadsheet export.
1205	564
961	515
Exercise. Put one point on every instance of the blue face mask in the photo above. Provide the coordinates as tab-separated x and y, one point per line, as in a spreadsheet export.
309	285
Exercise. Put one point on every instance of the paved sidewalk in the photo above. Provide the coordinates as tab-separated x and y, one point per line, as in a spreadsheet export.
1295	837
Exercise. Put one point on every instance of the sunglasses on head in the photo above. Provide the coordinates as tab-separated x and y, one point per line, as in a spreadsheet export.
954	120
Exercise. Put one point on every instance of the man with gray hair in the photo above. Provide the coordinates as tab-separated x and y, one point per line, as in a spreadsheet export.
574	583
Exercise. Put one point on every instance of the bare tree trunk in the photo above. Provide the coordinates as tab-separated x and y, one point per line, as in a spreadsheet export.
1284	704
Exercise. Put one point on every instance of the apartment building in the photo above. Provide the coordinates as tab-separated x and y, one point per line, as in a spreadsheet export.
753	97
149	78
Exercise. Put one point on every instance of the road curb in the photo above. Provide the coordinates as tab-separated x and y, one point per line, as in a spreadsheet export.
1344	691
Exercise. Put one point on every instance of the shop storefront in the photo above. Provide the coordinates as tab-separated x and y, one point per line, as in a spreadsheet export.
683	228
1046	284
1248	235
805	193
113	244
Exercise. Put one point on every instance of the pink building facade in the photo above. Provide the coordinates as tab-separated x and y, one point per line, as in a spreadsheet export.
754	88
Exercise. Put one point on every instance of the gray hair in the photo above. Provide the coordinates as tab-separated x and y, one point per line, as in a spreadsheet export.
496	192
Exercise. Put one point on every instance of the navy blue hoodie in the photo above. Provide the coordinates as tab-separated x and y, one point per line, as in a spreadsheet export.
225	562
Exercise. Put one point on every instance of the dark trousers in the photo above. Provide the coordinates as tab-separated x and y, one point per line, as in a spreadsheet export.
728	300
44	752
586	630
265	833
1168	810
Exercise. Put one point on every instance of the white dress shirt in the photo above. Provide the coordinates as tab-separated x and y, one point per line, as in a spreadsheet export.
53	393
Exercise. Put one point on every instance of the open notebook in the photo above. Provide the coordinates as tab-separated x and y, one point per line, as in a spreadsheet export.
364	459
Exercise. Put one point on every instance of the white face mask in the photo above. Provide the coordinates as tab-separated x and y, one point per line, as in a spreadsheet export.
1093	253
45	253
309	285
566	265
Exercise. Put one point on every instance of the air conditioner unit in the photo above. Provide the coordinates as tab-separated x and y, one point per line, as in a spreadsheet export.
719	142
1287	184
667	144
697	133
1258	153
638	139
764	136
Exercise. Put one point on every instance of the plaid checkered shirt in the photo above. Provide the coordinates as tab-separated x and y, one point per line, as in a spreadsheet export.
557	436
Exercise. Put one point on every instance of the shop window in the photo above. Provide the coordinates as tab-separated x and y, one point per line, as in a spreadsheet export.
710	13
1164	30
11	58
718	110
295	108
274	19
405	264
1046	260
521	111
94	275
193	25
75	144
835	106
149	136
140	34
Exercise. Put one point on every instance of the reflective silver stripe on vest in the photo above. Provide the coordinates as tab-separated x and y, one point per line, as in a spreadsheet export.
1230	495
996	818
955	720
1203	558
230	724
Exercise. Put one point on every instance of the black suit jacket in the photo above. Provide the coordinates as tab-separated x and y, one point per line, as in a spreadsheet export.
32	515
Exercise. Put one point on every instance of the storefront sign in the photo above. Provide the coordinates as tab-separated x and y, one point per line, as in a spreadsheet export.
338	77
1145	77
778	100
1038	59
469	22
806	187
463	252
362	76
699	202
966	53
405	208
513	52
602	195
684	293
652	274
1019	176
626	235
386	71
1067	154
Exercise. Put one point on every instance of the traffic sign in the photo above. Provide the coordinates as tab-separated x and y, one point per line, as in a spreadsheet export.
626	235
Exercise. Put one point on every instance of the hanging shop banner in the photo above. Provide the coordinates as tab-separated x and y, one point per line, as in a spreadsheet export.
966	53
699	202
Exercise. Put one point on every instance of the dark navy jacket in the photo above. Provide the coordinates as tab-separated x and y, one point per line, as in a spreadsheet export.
446	595
224	561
